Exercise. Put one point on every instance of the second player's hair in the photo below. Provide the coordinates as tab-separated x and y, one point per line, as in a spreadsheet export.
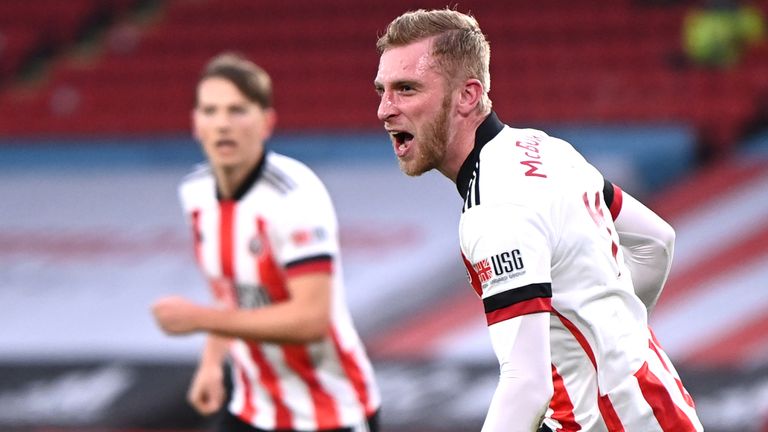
248	77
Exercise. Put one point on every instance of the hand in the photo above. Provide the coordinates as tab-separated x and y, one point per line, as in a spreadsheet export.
176	315
207	392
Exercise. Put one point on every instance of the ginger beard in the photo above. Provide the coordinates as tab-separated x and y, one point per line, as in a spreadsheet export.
431	147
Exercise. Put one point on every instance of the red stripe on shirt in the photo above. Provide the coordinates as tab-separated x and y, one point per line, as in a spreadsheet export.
270	383
534	305
354	373
618	199
579	338
654	344
316	266
297	358
249	410
611	419
604	403
599	218
226	236
196	236
562	405
269	272
474	280
667	413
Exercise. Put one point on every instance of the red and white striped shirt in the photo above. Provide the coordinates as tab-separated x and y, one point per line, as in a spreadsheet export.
281	223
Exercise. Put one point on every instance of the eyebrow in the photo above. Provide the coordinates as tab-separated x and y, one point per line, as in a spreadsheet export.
398	84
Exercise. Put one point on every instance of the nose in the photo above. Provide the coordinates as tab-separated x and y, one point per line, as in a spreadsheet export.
221	121
387	107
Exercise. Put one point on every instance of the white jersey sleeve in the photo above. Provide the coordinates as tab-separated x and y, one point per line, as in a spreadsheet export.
511	268
647	241
307	230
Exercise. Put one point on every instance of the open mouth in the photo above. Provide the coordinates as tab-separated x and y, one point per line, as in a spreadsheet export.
402	137
401	140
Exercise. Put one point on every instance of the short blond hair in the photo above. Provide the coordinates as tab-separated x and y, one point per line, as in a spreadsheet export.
460	47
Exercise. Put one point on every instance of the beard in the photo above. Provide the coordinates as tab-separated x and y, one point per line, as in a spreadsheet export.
431	148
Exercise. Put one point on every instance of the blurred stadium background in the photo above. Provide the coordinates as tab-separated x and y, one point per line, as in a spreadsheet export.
95	98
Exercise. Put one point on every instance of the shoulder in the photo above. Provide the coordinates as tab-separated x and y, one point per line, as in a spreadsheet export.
296	184
288	174
199	178
297	195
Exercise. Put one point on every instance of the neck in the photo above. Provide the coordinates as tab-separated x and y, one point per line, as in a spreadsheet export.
229	179
460	145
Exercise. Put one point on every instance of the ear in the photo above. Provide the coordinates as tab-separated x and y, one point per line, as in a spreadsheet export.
193	122
270	120
471	93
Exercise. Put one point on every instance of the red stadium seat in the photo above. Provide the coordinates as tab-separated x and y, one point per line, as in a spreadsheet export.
553	60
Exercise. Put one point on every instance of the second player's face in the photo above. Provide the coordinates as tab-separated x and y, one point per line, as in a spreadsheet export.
415	106
231	129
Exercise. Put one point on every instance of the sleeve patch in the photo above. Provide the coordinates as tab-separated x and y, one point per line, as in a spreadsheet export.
313	264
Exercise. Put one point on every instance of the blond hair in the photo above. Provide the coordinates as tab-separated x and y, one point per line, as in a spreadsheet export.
460	48
248	77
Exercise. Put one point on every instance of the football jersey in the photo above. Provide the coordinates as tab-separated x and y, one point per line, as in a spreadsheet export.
280	223
537	236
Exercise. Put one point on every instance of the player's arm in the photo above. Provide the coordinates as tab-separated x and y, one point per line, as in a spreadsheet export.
304	317
304	314
207	392
506	250
647	241
525	386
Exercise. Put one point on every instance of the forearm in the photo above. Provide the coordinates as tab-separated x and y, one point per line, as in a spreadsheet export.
649	261
279	323
525	378
648	243
215	350
304	317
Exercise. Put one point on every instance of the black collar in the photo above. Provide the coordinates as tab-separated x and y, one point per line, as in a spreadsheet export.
488	129
249	180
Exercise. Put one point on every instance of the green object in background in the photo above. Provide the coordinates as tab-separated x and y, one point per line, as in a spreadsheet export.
718	36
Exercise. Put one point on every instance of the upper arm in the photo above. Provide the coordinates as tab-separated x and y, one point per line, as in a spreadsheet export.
508	257
630	216
306	232
311	294
306	245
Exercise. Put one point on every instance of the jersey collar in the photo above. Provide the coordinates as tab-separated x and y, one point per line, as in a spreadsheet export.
249	180
488	129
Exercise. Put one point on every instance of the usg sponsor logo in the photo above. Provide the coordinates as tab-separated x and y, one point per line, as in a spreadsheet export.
499	265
